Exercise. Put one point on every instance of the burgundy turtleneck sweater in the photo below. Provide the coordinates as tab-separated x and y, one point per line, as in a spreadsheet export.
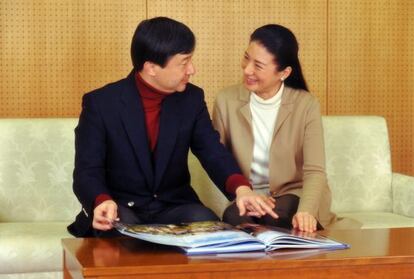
151	101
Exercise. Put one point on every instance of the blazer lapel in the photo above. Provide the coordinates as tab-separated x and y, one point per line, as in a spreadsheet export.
168	131
246	140
285	110
244	97
134	121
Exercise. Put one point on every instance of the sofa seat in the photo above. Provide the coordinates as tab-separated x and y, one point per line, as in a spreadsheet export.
31	247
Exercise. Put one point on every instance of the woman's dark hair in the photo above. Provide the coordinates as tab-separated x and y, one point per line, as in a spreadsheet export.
281	42
158	39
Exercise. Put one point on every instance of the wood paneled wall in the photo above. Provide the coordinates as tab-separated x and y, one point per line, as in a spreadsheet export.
357	56
52	52
371	68
223	29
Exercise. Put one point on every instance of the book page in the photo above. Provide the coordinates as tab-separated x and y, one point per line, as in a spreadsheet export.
277	238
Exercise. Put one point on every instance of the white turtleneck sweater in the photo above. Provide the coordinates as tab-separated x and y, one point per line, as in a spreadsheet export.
264	114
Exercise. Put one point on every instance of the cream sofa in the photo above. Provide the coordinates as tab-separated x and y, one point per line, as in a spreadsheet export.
37	203
358	165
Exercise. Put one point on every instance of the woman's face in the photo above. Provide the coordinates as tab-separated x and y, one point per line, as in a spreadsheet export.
260	73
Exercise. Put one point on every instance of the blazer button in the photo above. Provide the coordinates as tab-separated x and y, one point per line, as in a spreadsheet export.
155	196
131	204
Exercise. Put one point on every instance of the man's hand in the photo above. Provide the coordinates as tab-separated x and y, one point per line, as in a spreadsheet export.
104	214
304	221
252	204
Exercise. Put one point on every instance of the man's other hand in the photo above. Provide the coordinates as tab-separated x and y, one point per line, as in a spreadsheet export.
104	214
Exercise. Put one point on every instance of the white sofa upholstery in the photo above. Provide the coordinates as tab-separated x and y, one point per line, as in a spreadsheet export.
358	165
36	199
37	202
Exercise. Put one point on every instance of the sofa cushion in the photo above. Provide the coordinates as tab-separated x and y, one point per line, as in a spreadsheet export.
31	247
358	163
35	275
36	165
209	193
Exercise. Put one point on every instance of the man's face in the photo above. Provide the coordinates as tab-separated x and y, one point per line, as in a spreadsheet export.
175	75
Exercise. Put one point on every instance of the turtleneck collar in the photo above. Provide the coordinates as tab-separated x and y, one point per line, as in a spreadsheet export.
146	90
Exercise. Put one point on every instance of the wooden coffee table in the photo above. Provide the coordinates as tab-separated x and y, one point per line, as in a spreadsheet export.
374	253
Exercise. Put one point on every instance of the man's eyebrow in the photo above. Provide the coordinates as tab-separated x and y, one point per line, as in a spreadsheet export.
188	56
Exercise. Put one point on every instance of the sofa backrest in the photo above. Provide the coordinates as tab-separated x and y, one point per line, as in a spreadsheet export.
36	165
37	157
358	163
358	166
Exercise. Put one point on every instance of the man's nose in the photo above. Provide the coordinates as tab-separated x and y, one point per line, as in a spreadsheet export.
191	69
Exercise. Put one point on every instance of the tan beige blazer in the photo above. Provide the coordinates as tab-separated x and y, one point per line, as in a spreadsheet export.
297	156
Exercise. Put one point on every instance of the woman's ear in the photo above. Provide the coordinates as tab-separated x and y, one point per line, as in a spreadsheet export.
285	73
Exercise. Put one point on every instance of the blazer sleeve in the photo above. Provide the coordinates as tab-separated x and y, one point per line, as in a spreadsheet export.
314	175
90	155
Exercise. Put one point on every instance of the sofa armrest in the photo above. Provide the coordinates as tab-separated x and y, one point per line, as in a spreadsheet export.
403	194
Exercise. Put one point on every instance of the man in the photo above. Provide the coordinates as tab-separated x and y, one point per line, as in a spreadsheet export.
134	135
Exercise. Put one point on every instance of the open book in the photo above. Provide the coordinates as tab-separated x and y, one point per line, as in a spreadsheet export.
218	237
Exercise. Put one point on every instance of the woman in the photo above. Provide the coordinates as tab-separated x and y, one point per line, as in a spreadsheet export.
272	124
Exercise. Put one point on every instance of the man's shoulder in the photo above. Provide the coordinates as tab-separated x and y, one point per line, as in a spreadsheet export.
194	89
109	90
191	93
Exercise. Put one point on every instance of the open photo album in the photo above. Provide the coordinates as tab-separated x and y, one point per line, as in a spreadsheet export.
218	237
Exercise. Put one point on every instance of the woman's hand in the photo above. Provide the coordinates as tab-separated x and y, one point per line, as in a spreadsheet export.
253	204
304	221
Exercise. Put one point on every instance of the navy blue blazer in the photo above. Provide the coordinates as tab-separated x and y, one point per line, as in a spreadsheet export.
113	155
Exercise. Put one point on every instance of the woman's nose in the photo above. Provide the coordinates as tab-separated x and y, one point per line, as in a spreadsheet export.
248	69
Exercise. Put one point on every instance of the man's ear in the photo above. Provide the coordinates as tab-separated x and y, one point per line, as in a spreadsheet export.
149	68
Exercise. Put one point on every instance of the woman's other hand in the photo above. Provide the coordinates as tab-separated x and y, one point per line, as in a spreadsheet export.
304	221
253	204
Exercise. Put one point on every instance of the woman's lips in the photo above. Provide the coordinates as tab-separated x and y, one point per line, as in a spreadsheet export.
250	81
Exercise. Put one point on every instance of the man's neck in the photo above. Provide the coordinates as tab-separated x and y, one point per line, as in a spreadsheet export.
149	82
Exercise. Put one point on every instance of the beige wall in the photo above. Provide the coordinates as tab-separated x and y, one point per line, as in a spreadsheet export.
371	67
358	56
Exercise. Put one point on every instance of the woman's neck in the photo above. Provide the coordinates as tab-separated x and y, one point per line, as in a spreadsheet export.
269	93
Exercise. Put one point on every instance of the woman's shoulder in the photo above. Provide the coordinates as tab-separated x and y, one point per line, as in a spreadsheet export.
300	96
232	92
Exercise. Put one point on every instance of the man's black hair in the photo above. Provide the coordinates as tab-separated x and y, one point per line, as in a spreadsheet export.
158	39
